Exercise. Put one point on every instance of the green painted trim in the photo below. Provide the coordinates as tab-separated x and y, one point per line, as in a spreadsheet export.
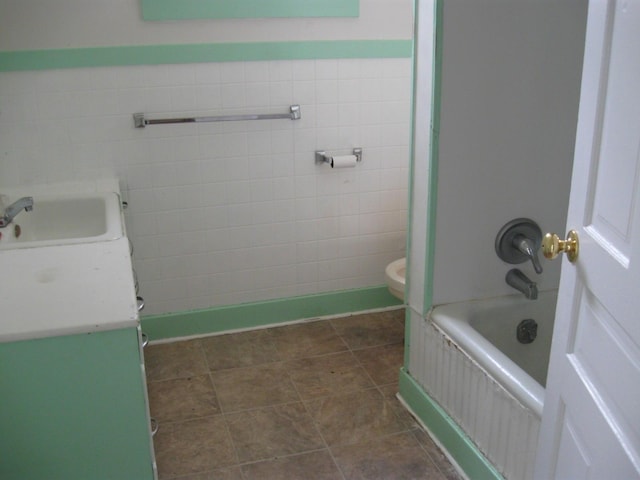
448	433
260	314
201	53
434	158
199	9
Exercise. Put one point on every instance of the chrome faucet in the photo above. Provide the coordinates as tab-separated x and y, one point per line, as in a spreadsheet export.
518	280
528	247
24	203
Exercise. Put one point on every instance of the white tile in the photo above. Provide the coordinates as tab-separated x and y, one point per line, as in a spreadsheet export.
143	224
257	95
236	168
240	237
256	71
304	92
169	222
327	115
304	70
282	141
240	214
326	91
210	218
395	134
281	96
348	114
305	186
326	69
280	70
306	208
232	72
207	73
183	98
306	251
348	91
371	90
307	272
238	192
208	98
283	188
212	204
349	68
233	95
261	190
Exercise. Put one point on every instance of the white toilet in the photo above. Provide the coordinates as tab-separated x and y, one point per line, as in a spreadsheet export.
395	277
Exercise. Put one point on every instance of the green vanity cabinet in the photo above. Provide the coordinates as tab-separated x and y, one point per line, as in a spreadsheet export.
74	407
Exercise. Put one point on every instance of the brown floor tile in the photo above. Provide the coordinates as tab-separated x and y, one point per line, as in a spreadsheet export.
193	446
371	329
393	457
174	360
182	399
253	387
382	363
438	457
271	432
238	350
307	340
327	375
354	417
232	473
307	466
276	398
389	392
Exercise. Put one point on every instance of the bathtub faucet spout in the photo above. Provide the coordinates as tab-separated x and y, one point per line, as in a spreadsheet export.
518	280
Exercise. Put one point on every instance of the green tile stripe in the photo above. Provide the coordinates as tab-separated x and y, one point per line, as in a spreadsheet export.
195	9
200	53
448	433
259	314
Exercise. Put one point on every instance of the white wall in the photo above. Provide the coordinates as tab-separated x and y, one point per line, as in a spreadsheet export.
235	212
510	88
221	213
41	24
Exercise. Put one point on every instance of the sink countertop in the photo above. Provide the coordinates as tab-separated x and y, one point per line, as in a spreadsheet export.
66	289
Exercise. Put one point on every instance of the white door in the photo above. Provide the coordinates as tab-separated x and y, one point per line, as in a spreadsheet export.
591	419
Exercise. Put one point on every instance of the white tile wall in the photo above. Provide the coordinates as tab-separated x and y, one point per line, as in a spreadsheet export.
225	213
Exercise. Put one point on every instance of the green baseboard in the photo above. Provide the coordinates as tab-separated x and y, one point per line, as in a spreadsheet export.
260	314
448	433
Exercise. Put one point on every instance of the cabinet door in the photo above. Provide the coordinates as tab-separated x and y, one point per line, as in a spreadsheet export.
74	407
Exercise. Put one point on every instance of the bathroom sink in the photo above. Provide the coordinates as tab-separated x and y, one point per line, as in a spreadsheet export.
64	219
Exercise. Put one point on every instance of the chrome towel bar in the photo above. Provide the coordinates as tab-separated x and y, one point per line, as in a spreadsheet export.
140	121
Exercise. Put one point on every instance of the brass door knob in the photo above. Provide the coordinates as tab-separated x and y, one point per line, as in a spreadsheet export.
552	246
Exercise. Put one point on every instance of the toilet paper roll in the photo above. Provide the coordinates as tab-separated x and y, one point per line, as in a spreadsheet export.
344	161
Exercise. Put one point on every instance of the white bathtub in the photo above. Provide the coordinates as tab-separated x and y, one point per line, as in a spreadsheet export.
467	358
486	331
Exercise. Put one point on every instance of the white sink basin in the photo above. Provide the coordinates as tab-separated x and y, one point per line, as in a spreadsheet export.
64	219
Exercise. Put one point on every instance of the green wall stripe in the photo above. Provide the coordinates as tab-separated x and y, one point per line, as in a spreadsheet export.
199	9
251	315
200	53
448	433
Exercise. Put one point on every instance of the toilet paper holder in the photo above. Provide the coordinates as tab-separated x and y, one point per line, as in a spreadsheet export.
322	156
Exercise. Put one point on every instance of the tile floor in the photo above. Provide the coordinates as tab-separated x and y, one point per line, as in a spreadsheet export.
306	401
